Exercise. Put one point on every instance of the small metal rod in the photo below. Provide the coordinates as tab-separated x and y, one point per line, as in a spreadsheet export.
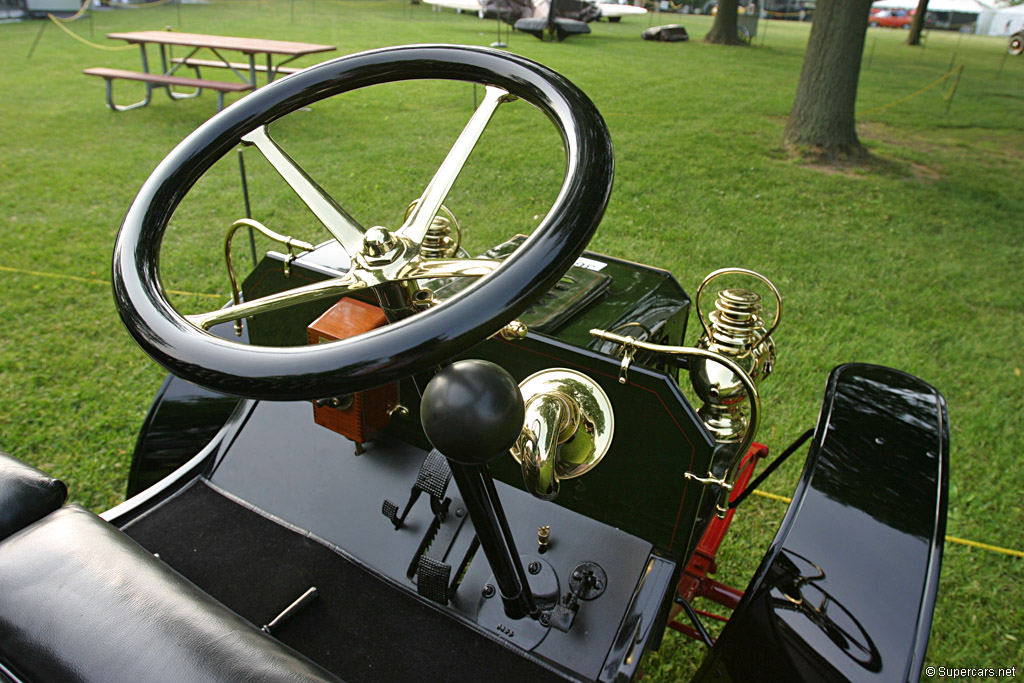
752	486
705	637
291	609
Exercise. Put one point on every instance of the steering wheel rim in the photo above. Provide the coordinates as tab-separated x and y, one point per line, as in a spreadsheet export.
394	351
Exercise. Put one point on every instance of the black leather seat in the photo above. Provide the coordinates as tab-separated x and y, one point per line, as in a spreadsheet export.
26	494
80	601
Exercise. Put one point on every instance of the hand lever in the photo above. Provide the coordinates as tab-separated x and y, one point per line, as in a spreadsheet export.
472	412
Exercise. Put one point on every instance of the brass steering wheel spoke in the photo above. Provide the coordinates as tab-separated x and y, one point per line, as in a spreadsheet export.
426	207
363	275
335	287
342	226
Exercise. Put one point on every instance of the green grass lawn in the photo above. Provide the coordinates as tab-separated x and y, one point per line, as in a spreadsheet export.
913	261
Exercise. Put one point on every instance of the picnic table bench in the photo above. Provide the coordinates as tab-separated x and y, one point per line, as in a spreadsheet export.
167	78
162	80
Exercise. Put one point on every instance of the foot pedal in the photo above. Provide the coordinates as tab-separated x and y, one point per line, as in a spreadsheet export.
430	569
432	579
390	510
433	479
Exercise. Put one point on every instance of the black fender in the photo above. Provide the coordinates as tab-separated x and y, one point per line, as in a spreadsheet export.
847	589
182	420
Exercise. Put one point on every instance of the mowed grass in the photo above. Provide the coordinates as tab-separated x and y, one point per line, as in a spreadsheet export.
913	261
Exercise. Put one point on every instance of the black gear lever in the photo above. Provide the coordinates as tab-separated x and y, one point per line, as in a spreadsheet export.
472	412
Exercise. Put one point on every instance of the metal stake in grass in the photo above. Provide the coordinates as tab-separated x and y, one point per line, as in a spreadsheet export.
952	92
871	53
245	199
499	42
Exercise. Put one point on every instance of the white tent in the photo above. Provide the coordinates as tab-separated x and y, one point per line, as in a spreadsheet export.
1001	22
966	6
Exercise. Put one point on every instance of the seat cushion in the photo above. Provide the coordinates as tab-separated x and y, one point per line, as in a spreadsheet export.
26	494
80	601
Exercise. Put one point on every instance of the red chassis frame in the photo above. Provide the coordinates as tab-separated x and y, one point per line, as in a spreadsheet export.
694	581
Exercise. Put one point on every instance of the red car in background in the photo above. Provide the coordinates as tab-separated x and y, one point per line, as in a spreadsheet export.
895	18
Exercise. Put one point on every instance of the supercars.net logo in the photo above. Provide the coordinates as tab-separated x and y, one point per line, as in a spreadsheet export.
952	672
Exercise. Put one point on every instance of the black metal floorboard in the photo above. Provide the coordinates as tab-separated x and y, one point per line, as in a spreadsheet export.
359	627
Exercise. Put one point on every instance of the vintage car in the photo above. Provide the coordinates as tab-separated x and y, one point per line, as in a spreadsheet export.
388	460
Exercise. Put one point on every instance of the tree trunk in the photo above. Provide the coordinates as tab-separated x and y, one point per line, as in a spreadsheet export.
918	24
822	119
724	30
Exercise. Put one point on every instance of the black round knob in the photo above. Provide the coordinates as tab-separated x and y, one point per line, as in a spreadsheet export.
472	411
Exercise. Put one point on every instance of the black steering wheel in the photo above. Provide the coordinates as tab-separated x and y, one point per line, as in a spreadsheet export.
379	256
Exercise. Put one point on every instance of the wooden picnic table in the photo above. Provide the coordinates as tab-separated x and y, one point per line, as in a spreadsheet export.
166	77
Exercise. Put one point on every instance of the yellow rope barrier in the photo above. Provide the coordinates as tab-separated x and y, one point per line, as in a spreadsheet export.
957	71
949	539
81	12
96	281
155	3
985	546
80	39
77	15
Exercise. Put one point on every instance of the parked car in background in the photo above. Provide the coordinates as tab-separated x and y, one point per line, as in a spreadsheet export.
897	18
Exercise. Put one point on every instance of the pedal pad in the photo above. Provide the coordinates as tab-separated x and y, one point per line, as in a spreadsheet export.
390	510
433	479
429	568
432	579
434	475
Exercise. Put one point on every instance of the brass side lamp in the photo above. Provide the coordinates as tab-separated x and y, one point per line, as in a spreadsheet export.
736	330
